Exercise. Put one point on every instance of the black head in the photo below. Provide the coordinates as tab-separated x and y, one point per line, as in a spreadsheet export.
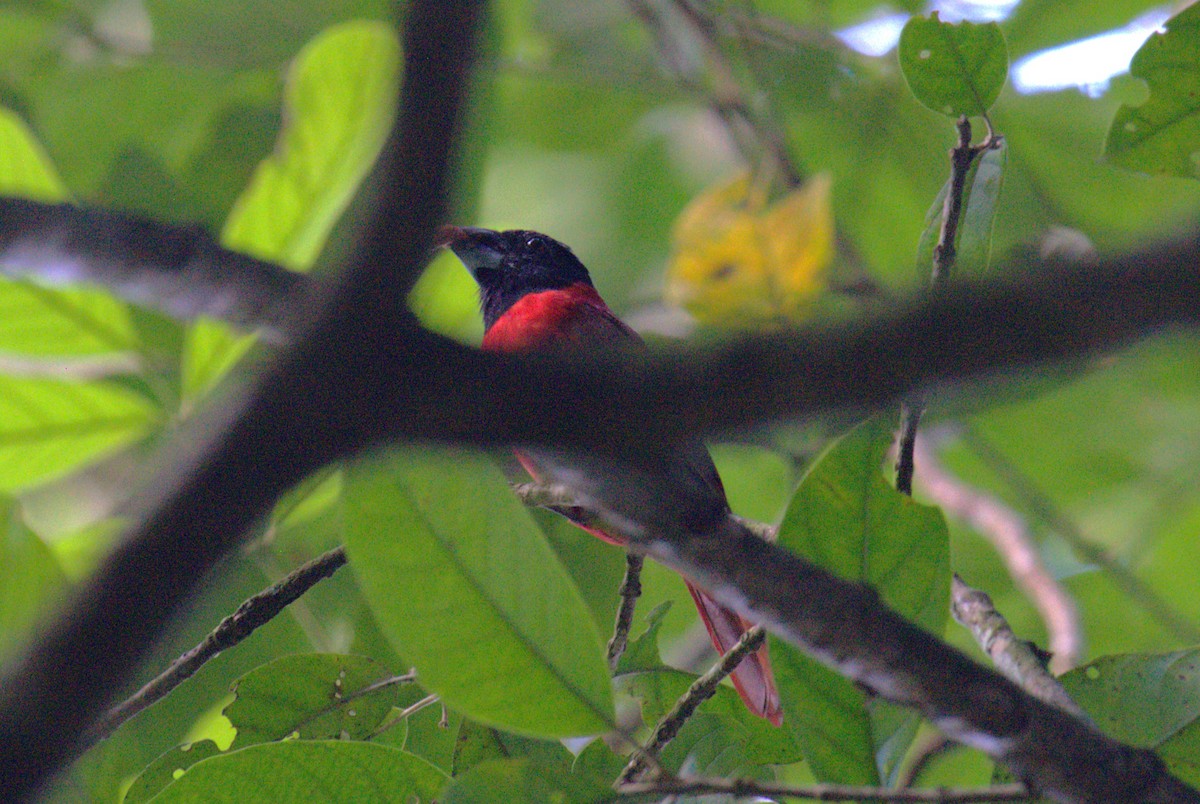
512	264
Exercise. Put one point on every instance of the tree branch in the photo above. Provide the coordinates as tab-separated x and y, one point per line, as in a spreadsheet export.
181	271
746	788
630	591
700	691
234	461
1008	533
255	612
1013	657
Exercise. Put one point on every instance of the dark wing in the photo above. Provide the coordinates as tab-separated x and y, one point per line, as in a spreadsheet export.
596	323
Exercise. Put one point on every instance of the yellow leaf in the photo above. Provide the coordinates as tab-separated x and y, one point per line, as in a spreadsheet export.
740	262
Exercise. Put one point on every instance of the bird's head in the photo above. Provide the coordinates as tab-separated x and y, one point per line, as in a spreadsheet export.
509	265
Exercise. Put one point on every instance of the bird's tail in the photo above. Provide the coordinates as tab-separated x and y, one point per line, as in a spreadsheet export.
753	678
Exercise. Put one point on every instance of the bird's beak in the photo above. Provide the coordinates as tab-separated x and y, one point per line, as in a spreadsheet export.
479	249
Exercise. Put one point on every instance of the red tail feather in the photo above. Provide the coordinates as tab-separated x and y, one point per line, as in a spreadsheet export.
753	678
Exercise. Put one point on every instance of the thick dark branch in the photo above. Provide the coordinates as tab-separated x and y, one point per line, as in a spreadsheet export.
1043	310
181	271
753	790
847	627
1047	311
239	458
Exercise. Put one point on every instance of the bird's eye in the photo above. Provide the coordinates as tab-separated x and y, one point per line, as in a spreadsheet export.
535	242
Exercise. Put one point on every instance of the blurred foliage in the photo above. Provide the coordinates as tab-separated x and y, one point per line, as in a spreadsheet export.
738	262
600	127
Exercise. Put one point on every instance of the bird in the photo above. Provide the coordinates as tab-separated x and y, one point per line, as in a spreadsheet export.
535	295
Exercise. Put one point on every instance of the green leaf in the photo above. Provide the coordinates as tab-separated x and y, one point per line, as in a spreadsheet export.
467	588
338	104
847	518
312	771
431	733
599	761
641	652
25	169
973	242
477	744
167	768
757	740
1141	699
30	577
525	781
955	69
827	715
315	696
49	427
1162	136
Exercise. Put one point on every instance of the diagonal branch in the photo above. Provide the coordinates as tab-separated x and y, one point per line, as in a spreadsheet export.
242	456
181	271
252	614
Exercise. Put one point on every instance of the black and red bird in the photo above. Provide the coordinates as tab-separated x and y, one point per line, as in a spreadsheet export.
536	295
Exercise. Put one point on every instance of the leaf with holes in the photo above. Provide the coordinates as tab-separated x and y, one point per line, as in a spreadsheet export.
464	583
954	68
1162	136
316	696
167	768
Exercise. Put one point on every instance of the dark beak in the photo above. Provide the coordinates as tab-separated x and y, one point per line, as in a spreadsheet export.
479	249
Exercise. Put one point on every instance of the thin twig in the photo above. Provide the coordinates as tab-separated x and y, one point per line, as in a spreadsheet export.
251	615
748	788
906	461
631	590
1013	657
724	96
390	681
1007	532
1041	506
404	714
945	252
701	690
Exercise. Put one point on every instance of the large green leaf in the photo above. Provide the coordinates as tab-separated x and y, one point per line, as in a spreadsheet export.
954	68
338	107
848	519
49	427
1162	136
312	771
469	591
1148	700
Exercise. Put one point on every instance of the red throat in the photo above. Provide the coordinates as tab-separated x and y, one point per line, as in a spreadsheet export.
539	320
